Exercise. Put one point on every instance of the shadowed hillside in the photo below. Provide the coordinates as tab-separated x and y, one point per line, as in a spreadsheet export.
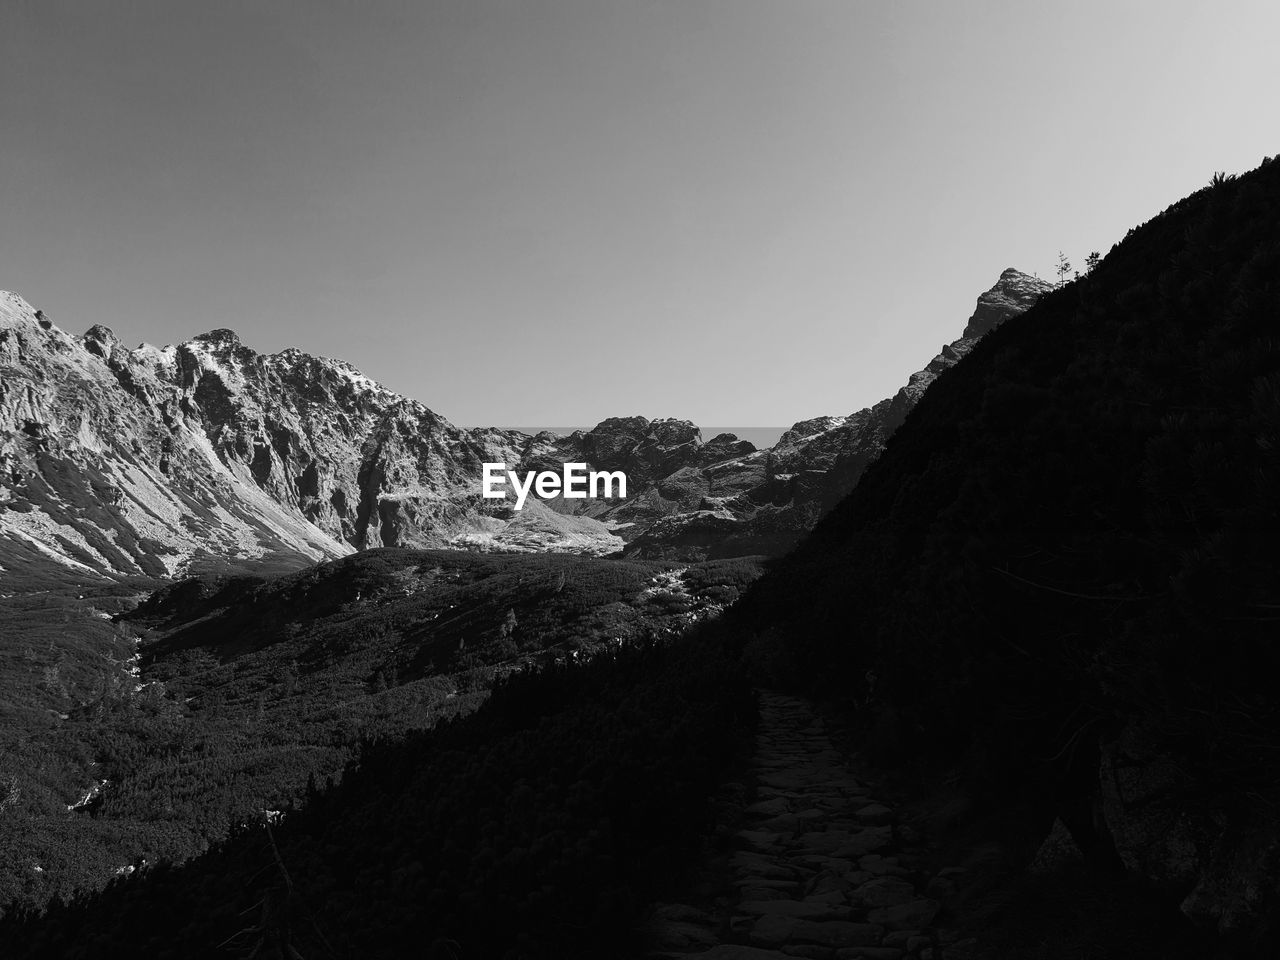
224	696
539	827
1061	578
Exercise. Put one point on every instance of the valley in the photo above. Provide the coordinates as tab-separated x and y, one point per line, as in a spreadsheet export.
1034	590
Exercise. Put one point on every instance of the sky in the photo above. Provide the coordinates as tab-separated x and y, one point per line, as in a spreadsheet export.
555	211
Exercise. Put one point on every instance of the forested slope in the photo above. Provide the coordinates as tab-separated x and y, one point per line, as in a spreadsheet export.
224	696
540	826
1064	564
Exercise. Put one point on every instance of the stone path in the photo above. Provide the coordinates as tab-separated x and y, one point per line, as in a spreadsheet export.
815	871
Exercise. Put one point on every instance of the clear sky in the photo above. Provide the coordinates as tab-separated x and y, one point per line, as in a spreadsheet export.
553	211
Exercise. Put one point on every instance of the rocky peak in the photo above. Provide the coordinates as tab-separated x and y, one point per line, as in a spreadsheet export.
100	341
610	443
725	446
219	337
16	312
646	450
26	333
672	431
219	350
831	453
1012	294
630	427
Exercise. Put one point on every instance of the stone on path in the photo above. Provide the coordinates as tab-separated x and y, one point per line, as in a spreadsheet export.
902	916
761	840
678	934
733	951
794	908
772	808
884	892
679	911
779	931
874	813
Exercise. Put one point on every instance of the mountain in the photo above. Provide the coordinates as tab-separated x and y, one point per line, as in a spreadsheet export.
1055	592
159	462
765	501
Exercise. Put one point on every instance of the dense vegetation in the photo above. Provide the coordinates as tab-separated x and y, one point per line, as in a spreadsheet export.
246	688
58	649
1073	536
540	826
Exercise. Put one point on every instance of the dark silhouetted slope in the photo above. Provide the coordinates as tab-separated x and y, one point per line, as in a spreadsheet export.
1061	575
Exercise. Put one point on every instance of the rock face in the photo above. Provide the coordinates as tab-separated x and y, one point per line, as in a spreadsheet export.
145	461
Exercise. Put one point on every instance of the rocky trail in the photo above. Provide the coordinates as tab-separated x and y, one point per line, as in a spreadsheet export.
810	864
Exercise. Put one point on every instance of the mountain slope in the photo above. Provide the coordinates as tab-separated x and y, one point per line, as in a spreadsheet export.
104	470
150	461
541	826
221	697
1060	577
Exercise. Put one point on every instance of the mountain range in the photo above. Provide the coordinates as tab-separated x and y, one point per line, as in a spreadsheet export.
159	462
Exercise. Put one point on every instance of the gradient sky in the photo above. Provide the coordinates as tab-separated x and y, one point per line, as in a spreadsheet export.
553	211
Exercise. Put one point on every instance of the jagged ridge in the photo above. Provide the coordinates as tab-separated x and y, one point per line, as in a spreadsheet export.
151	460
